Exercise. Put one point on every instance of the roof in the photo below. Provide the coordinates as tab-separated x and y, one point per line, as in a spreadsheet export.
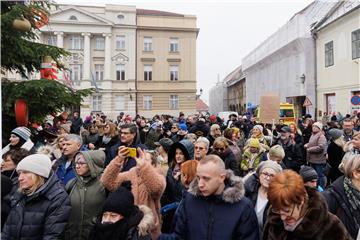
201	106
235	76
140	11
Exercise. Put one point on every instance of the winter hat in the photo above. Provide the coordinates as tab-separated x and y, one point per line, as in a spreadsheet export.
259	127
39	164
308	173
319	125
120	201
269	164
182	126
285	129
254	142
165	143
212	118
277	151
66	127
22	132
335	133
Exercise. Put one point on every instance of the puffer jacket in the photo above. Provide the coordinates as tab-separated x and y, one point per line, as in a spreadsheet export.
316	149
229	216
317	224
43	215
87	195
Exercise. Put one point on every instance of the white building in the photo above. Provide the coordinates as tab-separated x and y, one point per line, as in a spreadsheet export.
102	42
285	62
218	100
338	54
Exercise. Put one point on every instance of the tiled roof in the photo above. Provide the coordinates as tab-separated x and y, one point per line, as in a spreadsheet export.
201	106
157	13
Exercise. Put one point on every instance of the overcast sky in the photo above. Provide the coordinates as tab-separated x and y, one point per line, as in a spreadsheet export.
229	30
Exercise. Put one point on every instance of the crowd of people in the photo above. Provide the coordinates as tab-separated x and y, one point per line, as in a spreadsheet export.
184	177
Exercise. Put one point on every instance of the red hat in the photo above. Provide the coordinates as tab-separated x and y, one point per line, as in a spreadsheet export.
212	118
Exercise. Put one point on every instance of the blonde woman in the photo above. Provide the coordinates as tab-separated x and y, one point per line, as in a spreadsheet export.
41	207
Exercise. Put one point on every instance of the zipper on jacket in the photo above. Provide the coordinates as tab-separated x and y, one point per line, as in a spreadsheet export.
211	221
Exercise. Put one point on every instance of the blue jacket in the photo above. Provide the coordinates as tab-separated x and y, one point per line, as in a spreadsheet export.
227	217
65	174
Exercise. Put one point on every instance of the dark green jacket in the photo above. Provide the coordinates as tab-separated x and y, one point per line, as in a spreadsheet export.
87	196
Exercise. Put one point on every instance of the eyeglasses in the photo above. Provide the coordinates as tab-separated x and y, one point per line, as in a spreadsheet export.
80	163
199	148
286	212
219	149
125	133
267	175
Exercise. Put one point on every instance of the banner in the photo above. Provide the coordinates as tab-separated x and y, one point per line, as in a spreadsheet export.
269	108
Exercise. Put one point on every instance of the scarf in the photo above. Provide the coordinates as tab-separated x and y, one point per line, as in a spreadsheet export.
106	139
353	195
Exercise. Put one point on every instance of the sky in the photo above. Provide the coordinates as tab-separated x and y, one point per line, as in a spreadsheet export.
229	29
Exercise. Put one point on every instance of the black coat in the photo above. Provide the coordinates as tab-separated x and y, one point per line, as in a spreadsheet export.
252	186
293	156
339	205
335	156
230	161
200	128
42	215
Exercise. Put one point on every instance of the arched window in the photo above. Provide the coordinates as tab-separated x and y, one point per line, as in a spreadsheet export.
120	16
73	18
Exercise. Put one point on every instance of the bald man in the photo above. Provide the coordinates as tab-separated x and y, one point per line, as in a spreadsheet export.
215	206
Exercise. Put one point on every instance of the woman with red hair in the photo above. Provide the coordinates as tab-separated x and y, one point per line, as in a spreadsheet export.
297	212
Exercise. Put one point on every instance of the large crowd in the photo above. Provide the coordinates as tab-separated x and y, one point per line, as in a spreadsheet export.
184	177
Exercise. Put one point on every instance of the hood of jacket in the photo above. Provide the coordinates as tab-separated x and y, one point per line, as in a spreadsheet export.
186	146
234	188
95	160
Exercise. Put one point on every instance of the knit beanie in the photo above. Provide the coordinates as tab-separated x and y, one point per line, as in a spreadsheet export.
335	133
165	143
308	173
254	142
40	164
182	126
22	132
277	151
269	164
120	201
319	125
259	127
66	127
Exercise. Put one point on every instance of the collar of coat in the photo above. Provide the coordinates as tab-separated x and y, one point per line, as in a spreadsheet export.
233	192
314	221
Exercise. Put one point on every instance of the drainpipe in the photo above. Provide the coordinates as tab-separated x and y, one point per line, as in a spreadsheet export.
314	35
136	80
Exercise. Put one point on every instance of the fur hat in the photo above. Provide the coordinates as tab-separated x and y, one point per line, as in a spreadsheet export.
254	142
319	125
120	201
277	151
22	132
335	133
39	164
308	173
269	164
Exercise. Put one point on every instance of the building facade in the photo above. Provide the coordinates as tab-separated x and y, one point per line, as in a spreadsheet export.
166	63
236	90
285	62
139	61
218	100
338	55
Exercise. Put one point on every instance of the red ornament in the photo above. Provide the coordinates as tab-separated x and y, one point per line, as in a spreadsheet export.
21	112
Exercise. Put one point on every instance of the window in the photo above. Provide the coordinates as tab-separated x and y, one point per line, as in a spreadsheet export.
96	102
120	16
73	18
120	103
120	42
52	40
330	103
76	42
147	72
329	54
120	71
174	45
99	43
355	44
75	73
147	102
99	72
147	44
174	73
174	102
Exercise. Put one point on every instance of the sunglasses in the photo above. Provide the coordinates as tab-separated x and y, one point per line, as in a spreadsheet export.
199	148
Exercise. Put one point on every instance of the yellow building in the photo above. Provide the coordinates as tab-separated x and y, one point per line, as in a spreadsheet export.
166	63
338	59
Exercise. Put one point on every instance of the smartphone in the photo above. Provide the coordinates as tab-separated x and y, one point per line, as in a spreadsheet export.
132	152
